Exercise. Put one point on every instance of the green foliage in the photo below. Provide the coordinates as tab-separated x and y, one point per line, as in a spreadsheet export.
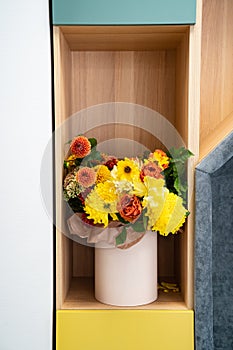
94	158
138	226
175	174
123	221
66	164
76	205
120	239
93	142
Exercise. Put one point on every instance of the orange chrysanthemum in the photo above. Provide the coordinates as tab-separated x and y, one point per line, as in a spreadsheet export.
80	146
86	177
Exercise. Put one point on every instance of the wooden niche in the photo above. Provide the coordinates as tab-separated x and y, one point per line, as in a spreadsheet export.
145	65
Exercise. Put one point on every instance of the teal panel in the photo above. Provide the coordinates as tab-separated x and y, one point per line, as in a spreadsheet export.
123	12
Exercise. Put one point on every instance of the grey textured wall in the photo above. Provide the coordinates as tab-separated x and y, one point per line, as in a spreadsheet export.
214	249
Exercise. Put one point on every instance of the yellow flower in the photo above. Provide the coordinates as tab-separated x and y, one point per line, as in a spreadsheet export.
154	199
71	160
161	158
100	202
125	170
71	157
98	217
139	188
106	191
103	173
123	186
172	216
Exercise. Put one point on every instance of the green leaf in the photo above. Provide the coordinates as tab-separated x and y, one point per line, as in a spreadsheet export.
177	185
78	161
138	226
92	159
76	205
120	239
145	220
93	142
175	174
122	220
146	154
66	164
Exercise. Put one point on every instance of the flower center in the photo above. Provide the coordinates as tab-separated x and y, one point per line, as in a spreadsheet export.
127	169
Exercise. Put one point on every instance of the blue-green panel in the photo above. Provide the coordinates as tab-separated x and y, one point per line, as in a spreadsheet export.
123	12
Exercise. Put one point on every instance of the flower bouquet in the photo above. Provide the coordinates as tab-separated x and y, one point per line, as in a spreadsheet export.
123	203
133	194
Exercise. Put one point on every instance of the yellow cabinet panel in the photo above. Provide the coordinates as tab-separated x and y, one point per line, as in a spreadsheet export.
125	330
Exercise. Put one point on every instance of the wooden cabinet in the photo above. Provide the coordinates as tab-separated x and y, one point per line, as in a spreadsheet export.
157	67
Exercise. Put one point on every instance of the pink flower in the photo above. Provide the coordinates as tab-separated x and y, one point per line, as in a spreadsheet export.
86	177
151	169
80	146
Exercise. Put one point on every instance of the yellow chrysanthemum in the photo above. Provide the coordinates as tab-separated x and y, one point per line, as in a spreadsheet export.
172	216
125	170
100	202
154	199
103	174
106	191
97	216
161	158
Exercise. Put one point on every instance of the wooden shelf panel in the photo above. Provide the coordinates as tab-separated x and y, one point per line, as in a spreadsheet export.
81	296
124	38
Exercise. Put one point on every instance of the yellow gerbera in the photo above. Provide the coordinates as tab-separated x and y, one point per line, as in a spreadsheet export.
125	170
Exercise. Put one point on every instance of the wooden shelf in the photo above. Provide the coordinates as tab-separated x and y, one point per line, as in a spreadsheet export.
123	38
149	66
81	296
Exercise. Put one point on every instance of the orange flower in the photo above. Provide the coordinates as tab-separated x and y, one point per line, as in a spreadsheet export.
130	208
86	177
80	146
161	157
151	169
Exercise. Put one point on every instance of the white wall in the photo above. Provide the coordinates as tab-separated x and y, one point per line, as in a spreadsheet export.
25	230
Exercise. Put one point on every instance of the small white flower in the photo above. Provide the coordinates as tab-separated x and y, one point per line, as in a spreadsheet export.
123	186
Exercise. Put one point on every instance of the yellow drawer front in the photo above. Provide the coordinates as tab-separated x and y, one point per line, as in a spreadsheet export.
125	330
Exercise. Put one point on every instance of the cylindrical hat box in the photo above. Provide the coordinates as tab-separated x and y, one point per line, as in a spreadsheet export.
127	277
